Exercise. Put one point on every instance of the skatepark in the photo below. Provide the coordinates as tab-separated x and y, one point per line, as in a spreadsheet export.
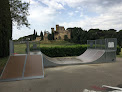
31	65
73	78
96	67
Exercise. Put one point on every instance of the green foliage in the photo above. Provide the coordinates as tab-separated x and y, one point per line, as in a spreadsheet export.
118	50
51	36
41	35
19	12
36	34
61	51
66	38
3	61
5	27
120	54
78	35
119	38
11	11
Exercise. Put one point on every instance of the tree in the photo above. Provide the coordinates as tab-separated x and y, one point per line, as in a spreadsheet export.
50	37
19	12
11	12
41	35
119	38
65	37
5	27
34	35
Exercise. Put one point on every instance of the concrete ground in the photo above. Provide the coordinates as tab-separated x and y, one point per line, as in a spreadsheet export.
74	78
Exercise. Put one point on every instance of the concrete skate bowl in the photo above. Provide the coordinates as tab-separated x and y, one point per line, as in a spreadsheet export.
89	56
30	65
98	51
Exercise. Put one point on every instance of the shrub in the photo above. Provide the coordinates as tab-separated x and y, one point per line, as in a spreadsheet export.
118	50
61	51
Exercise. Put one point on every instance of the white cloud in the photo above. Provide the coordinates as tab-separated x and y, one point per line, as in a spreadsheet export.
76	11
70	13
40	18
108	17
44	14
52	4
104	21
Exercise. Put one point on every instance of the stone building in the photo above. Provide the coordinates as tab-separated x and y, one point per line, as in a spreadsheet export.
60	32
38	38
46	33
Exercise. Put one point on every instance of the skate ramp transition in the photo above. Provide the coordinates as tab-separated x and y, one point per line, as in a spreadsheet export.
98	51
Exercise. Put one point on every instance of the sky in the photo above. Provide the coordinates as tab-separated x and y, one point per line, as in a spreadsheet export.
87	14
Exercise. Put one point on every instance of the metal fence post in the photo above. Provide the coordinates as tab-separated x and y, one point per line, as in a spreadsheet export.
28	47
11	47
87	44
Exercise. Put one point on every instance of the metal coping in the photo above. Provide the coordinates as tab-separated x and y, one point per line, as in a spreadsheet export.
22	78
24	66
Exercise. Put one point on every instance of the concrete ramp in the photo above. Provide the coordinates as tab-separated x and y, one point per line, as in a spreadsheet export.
60	61
21	67
93	56
89	56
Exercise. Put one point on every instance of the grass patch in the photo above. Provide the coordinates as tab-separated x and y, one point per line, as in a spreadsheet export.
3	63
20	48
55	43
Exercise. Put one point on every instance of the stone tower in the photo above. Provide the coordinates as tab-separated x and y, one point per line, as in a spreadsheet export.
57	27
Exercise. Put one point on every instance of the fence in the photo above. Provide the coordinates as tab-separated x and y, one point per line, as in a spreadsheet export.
23	47
105	44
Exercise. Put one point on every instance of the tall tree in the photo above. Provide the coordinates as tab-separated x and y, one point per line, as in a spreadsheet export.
41	35
119	38
36	35
5	27
11	12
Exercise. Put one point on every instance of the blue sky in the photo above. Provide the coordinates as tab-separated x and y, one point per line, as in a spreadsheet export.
44	14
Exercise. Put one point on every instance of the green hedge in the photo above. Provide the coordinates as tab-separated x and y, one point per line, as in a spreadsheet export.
118	50
62	51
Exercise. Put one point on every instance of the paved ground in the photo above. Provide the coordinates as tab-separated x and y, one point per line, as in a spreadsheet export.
73	78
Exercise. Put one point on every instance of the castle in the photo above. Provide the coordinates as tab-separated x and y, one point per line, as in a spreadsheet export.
59	33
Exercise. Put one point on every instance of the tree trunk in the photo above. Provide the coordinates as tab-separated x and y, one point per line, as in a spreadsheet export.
5	27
